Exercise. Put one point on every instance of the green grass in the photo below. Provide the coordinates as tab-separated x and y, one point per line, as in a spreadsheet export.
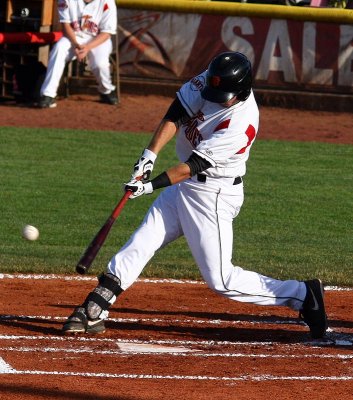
296	221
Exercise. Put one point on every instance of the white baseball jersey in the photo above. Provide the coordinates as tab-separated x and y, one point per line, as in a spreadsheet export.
91	18
223	136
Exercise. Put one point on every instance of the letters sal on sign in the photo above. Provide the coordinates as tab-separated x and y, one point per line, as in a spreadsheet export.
295	49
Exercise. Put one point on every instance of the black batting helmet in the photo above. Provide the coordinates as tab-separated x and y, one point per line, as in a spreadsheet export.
229	74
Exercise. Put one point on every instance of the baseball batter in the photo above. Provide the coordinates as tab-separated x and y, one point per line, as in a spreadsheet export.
87	27
215	119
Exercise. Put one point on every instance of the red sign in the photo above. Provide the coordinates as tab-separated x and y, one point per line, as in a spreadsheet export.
297	55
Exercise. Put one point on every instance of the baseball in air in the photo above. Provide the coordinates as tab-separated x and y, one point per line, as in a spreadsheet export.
24	12
30	232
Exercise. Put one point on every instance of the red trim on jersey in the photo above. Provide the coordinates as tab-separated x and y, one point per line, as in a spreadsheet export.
250	133
105	8
222	125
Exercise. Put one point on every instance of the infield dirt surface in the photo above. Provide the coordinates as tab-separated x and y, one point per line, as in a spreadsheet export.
143	113
167	339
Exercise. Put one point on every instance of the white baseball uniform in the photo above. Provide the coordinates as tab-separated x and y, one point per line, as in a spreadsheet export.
202	208
87	21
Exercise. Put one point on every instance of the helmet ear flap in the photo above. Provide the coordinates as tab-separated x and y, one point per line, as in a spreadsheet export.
242	96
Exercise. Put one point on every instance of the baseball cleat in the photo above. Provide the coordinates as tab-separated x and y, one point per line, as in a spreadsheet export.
47	102
109	98
313	311
78	323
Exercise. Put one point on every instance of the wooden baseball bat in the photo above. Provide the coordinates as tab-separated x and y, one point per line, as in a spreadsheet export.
92	250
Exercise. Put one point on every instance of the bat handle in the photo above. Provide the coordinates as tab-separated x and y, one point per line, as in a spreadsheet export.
121	204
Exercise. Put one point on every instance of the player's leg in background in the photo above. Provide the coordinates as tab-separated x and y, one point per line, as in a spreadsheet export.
98	62
61	53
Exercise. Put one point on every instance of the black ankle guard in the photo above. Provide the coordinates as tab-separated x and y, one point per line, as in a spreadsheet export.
109	283
97	299
107	288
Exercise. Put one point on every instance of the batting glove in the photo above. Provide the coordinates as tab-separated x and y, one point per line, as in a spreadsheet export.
144	166
138	188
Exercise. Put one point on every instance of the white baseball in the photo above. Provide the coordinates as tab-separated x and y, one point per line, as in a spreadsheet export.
24	12
30	232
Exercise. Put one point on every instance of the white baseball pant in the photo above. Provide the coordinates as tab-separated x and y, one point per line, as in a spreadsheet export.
204	217
63	52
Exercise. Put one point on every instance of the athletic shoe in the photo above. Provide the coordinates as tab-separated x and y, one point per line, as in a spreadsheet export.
47	102
109	98
79	323
313	311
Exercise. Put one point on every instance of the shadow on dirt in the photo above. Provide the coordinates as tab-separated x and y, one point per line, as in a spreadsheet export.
44	393
187	325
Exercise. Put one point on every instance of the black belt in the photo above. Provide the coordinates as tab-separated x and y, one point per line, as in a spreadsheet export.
203	178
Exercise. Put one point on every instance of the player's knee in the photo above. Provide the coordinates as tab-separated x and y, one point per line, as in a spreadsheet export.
99	64
61	48
103	296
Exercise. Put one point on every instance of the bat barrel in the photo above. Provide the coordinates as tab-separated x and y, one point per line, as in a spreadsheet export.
92	250
81	269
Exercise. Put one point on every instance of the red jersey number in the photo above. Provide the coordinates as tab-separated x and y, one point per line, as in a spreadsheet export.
250	133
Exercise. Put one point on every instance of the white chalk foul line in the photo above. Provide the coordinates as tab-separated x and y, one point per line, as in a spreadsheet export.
171	352
93	278
144	280
250	378
162	320
202	343
340	340
5	368
111	340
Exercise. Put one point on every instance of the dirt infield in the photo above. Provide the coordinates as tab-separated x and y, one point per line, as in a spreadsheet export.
168	339
142	114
